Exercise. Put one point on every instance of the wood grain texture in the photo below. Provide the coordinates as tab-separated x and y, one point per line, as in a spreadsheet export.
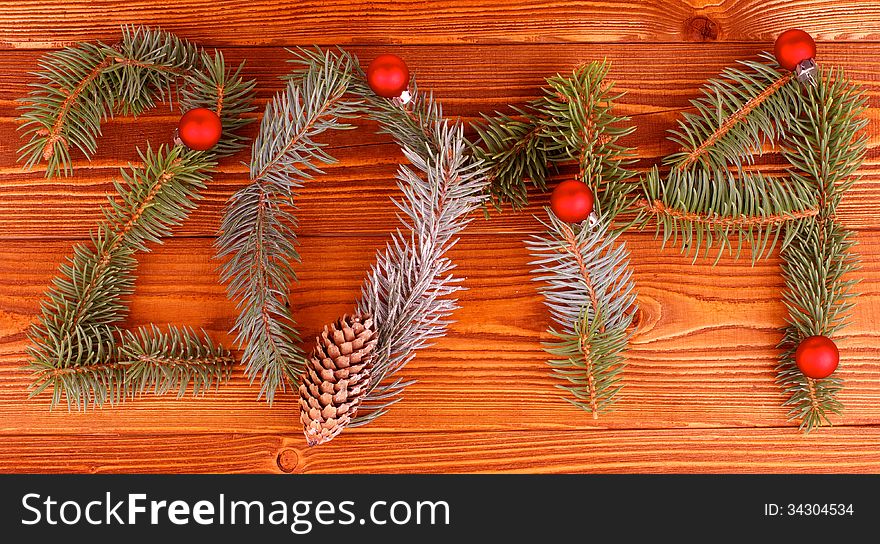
32	207
675	451
35	24
702	355
699	393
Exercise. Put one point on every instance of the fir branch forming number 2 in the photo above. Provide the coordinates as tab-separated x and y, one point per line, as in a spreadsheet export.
78	350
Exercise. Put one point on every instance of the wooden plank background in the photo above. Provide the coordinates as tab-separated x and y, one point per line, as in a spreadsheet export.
699	393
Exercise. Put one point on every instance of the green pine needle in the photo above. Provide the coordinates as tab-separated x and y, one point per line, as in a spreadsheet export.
589	290
827	147
78	350
257	236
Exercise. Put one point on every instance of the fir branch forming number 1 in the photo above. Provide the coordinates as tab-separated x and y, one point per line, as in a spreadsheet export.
582	266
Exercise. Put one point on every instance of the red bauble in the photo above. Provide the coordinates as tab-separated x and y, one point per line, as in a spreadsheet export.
200	129
817	357
572	201
388	76
793	47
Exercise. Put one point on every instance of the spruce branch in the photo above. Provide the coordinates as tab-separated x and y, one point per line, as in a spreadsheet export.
731	122
410	124
698	208
817	296
514	153
76	341
225	91
827	147
737	115
81	86
572	122
589	288
175	360
257	231
580	125
404	293
591	296
144	360
410	287
512	149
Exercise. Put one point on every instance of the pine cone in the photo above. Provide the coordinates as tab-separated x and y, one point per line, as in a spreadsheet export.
336	377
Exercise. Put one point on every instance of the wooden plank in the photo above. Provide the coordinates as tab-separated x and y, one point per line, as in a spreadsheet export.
702	356
139	453
836	450
357	188
33	24
699	393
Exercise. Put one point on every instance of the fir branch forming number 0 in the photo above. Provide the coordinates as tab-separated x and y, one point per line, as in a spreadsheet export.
349	378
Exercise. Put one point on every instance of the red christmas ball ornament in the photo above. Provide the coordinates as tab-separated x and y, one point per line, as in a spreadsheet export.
572	201
817	357
388	76
200	129
792	47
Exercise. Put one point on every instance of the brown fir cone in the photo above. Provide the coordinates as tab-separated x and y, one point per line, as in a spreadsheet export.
336	377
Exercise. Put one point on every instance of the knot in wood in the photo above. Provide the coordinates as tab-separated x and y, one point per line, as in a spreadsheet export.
701	29
287	460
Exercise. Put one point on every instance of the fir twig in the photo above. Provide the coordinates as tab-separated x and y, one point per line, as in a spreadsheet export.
572	122
513	149
176	360
257	230
591	295
581	126
221	89
589	288
737	115
408	291
405	291
731	122
657	207
78	326
827	147
697	207
81	86
514	153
